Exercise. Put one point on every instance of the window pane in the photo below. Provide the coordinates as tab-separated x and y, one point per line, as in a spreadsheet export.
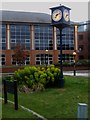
43	37
21	34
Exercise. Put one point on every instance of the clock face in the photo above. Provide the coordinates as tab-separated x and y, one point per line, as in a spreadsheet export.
66	15
57	15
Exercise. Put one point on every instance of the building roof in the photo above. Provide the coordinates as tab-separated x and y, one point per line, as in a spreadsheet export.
27	17
18	16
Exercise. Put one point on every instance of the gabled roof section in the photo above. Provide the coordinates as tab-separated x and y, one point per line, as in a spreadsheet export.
31	17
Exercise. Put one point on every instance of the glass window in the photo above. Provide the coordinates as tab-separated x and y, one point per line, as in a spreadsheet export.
20	34
43	59
43	37
26	62
2	59
3	40
67	39
66	58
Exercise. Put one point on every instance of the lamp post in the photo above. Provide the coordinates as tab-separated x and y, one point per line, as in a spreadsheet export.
74	54
46	58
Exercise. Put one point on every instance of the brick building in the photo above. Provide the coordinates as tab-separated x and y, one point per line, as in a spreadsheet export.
35	33
83	40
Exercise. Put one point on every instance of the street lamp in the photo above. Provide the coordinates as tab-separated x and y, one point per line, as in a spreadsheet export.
46	57
74	54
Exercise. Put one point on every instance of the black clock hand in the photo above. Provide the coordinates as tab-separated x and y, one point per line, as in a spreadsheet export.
57	15
66	15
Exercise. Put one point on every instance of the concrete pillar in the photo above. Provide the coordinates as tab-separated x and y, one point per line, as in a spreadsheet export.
54	39
8	36
76	41
32	46
32	38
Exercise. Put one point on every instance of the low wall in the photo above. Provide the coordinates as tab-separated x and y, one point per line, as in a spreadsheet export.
65	68
70	68
10	69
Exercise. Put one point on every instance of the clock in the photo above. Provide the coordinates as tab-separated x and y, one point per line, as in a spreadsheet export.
66	15
57	15
60	16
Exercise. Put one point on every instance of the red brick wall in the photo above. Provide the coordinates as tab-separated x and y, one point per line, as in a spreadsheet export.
83	42
13	69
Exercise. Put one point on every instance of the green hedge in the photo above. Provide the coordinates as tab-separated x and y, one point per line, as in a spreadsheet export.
84	62
38	77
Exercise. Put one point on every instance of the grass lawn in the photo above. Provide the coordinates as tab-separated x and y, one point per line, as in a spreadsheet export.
9	112
53	102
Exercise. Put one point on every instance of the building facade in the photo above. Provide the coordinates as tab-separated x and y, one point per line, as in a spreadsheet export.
35	33
83	40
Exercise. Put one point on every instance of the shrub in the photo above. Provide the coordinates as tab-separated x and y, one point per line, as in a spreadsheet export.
9	78
37	78
83	62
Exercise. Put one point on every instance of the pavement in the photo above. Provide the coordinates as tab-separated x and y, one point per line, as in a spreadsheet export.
84	73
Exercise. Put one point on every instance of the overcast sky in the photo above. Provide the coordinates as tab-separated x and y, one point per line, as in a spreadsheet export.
79	10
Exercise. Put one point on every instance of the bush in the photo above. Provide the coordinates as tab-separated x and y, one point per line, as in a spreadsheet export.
8	78
65	63
37	78
83	62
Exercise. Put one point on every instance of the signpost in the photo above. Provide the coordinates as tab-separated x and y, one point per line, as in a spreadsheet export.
11	87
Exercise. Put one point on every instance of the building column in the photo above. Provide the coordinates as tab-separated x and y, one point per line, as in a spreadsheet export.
55	55
8	37
8	51
76	41
54	39
32	46
32	38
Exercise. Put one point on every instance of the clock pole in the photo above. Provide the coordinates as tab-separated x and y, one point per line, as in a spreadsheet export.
61	82
60	19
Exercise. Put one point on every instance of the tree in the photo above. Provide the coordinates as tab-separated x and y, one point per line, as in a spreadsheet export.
20	54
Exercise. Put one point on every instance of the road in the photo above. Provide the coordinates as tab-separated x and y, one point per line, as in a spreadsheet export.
84	73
